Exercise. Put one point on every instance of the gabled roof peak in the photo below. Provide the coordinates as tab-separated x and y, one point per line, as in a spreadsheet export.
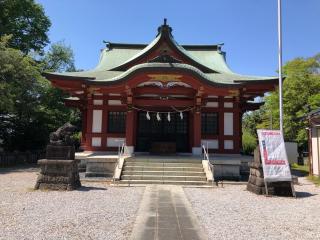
164	28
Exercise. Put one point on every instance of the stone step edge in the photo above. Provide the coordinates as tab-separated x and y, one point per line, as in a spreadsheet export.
177	169
161	161
163	182
185	172
161	165
160	176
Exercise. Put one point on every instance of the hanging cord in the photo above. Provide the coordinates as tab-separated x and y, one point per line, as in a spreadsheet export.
175	110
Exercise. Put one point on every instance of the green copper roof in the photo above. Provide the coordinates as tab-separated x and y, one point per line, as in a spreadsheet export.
209	63
111	58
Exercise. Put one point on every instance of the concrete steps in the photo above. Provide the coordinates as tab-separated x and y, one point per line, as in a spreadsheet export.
163	171
163	182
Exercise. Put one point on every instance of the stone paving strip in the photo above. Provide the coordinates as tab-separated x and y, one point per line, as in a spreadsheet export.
165	213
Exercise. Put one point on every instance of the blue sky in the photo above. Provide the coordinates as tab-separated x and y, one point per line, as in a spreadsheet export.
248	28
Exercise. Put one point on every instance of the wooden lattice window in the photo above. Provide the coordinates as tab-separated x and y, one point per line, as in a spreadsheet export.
209	123
116	122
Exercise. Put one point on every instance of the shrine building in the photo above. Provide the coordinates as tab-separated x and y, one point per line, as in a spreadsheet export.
162	97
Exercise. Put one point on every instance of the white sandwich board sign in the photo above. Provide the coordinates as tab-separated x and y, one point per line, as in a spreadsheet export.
273	156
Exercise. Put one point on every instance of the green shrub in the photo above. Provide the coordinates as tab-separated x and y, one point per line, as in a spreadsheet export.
249	143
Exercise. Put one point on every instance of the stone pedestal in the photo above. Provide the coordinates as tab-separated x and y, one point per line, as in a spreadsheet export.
256	180
60	170
58	175
60	152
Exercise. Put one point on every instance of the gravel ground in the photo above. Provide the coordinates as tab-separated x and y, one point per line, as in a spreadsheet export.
96	211
234	213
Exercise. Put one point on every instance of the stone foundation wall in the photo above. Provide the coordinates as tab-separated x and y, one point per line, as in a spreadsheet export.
256	182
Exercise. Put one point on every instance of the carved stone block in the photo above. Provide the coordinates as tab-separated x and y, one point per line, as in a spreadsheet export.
58	175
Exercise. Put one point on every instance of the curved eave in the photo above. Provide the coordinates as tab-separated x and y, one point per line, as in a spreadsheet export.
260	81
52	76
164	68
175	67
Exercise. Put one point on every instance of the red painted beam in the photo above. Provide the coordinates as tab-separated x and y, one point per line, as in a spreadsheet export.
164	103
164	91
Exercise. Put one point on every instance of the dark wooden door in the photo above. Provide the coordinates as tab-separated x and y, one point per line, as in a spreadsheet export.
152	130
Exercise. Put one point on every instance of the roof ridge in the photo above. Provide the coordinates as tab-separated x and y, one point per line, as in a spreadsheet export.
111	45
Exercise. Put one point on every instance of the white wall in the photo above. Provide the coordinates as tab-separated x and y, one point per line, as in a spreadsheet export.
114	142
212	143
114	102
97	121
228	144
212	104
292	151
98	102
318	149
228	124
228	105
96	142
315	150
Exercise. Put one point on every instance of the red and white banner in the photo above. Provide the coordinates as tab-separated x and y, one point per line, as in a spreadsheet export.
273	155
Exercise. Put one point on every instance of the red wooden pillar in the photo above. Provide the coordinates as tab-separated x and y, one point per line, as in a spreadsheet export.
236	124
134	124
236	132
190	116
240	124
89	123
221	125
197	129
104	124
84	126
196	149
130	128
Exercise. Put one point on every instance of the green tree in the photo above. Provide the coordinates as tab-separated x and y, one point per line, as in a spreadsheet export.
20	85
59	58
26	21
301	90
30	108
52	111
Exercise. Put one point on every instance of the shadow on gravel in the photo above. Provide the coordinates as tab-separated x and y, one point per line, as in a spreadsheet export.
299	173
20	168
304	194
86	189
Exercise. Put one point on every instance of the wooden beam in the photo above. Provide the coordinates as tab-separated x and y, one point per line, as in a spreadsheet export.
164	103
251	106
164	91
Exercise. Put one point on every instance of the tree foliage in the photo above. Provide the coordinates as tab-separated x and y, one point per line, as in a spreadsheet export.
26	21
30	108
20	84
301	93
249	142
59	58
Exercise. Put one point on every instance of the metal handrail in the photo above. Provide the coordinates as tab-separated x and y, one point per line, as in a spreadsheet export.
120	153
122	149
206	157
210	165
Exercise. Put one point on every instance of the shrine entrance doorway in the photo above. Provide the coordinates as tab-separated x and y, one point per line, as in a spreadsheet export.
154	132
